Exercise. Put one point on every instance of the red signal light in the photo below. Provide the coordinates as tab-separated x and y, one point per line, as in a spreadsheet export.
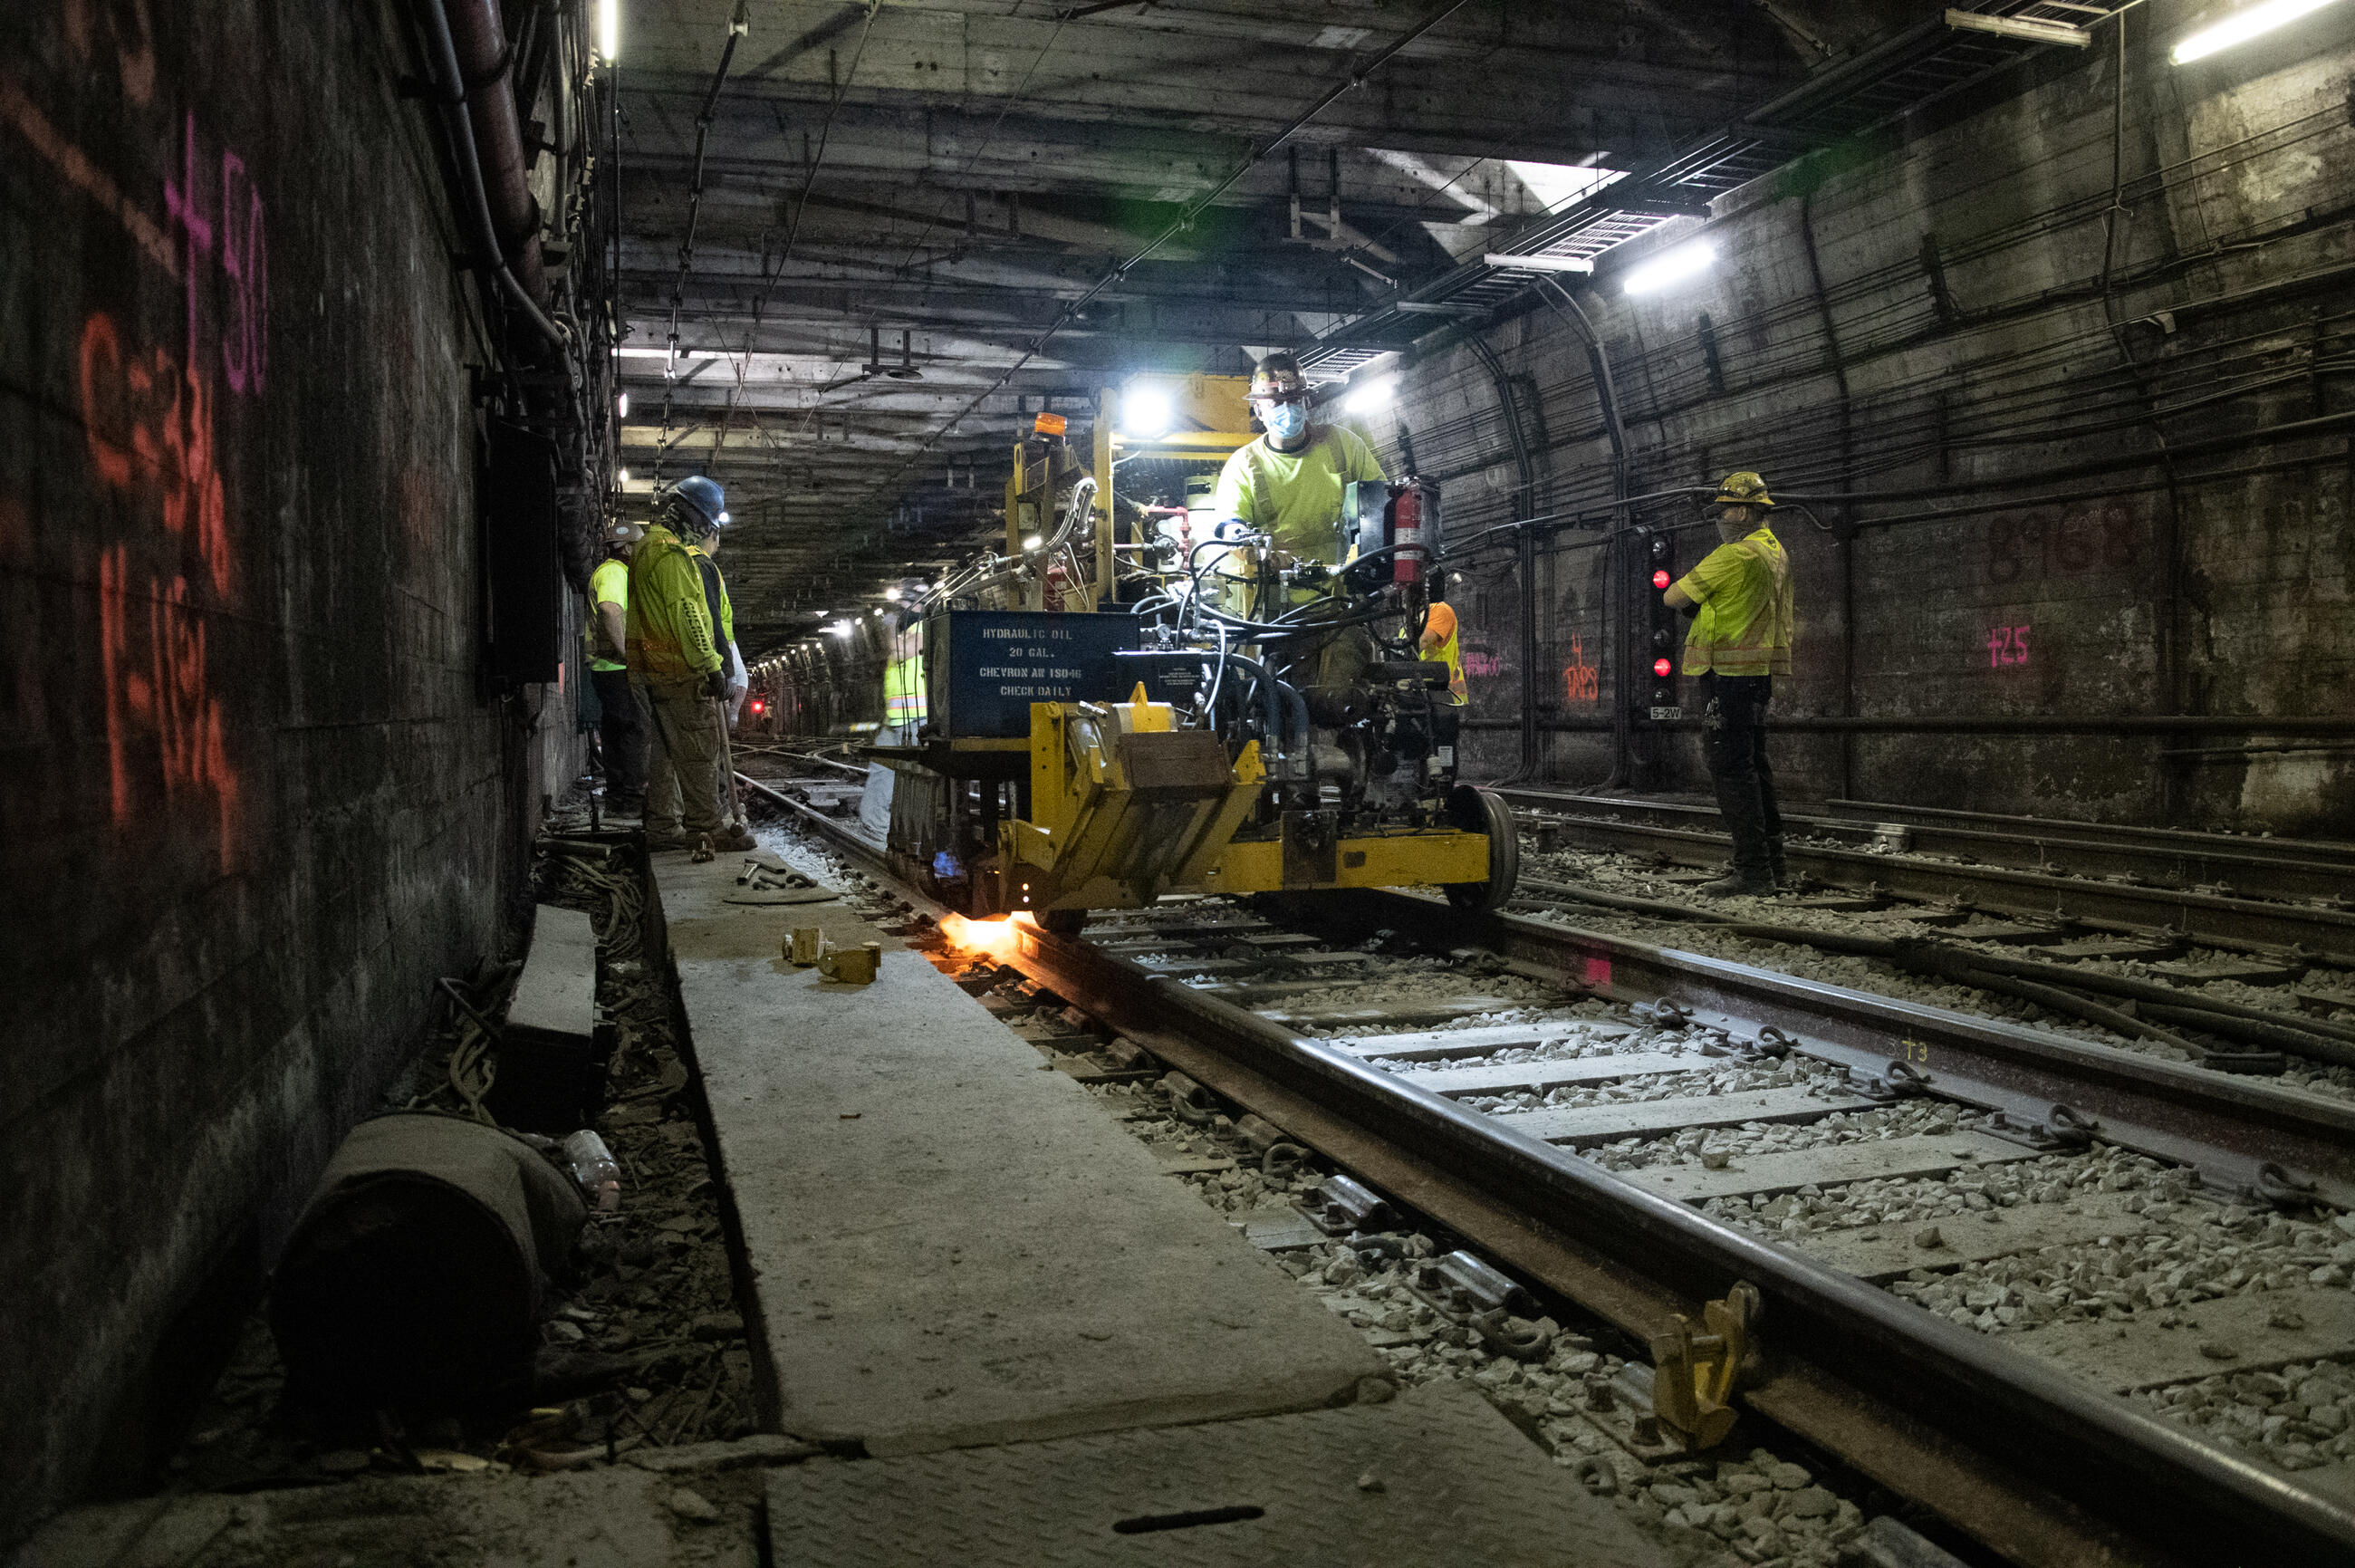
759	707
1662	668
1661	579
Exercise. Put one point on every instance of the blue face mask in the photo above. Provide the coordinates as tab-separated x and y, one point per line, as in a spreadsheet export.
1285	420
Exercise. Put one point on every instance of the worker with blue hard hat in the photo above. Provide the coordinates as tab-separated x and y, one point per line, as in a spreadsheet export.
677	659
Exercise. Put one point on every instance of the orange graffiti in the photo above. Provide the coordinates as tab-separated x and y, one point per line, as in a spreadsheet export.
71	161
1580	683
158	695
132	35
150	430
148	425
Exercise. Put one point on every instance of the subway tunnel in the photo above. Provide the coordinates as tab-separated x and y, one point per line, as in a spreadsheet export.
734	726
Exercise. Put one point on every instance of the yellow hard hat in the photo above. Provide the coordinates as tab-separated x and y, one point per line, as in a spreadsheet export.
1278	377
1743	488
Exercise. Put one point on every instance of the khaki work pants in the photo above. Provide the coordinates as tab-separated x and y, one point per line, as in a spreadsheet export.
684	769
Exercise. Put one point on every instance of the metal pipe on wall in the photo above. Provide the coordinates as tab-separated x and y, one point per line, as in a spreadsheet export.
1615	590
1524	502
485	66
471	201
1844	536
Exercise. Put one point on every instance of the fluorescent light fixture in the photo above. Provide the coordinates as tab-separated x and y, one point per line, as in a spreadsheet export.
1673	267
621	405
622	475
2026	28
1374	396
1146	412
609	29
1542	263
2241	27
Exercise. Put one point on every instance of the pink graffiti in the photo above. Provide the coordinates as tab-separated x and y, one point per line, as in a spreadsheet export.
1476	662
2006	646
235	218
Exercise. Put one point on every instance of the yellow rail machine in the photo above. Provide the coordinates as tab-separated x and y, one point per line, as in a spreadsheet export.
1140	698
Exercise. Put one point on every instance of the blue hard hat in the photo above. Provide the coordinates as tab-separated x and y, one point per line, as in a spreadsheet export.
703	499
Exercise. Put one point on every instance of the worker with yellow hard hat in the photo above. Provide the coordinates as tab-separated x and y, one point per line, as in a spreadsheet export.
1744	619
676	660
1288	483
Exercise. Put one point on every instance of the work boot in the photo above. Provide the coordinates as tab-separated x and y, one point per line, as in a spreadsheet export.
673	840
1733	884
732	838
1778	869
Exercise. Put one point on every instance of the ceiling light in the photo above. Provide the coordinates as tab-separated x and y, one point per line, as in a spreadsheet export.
609	29
1146	413
1375	395
2241	27
621	405
2029	27
1542	263
1683	262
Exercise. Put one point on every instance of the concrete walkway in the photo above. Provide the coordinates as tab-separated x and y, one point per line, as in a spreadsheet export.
954	1246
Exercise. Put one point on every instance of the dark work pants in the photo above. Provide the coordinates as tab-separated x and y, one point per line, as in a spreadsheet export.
622	732
1734	737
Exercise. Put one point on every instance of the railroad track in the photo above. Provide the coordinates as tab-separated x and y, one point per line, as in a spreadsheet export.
1640	1130
2271	899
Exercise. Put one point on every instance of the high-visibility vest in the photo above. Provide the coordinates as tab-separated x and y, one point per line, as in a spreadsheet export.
1441	623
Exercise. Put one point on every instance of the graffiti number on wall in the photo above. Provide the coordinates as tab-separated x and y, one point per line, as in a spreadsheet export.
1578	678
148	423
2006	646
227	223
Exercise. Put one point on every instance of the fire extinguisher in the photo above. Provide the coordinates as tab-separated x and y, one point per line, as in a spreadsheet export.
1406	534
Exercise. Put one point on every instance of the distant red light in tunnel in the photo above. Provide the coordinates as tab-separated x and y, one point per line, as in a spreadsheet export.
1662	667
1661	579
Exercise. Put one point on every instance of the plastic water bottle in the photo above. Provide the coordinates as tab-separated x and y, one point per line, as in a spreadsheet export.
593	1168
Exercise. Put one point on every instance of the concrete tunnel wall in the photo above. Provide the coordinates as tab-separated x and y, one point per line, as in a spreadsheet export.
256	798
2012	608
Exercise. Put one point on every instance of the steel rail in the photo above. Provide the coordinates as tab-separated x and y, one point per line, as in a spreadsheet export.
2213	920
2320	852
2113	1484
2186	861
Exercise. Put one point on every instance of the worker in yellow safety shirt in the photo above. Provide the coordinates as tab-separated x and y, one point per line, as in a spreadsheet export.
1744	619
1288	482
675	660
621	721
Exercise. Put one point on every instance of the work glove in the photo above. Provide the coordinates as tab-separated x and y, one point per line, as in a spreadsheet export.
715	685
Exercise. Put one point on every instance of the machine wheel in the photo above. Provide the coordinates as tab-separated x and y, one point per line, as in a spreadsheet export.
1063	922
1476	810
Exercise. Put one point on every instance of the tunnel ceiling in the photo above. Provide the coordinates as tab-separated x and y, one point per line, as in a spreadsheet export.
895	203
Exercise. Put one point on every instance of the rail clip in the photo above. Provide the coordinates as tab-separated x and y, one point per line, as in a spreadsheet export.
1694	1375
